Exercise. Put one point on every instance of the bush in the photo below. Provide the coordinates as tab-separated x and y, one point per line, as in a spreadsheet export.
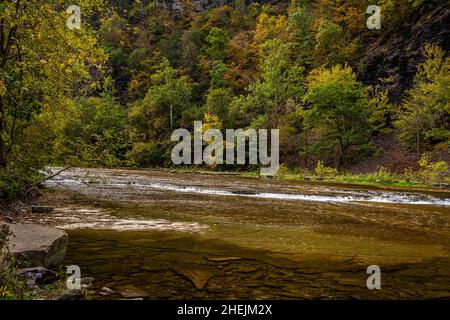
282	170
382	175
408	174
10	187
93	133
146	154
10	287
14	182
323	171
433	171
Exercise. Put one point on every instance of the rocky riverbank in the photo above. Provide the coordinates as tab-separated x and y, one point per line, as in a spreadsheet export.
31	263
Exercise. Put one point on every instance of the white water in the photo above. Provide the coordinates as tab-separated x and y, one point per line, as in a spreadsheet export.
113	182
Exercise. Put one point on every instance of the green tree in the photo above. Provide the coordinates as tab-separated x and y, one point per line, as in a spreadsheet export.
337	115
300	21
281	80
217	44
93	132
162	108
217	74
424	116
380	110
329	42
218	102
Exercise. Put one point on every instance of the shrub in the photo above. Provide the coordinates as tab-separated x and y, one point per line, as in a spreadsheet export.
282	170
322	170
10	287
382	175
433	171
146	154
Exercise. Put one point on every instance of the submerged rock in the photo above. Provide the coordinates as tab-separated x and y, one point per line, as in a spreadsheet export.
130	291
87	280
107	291
41	209
197	274
72	295
37	246
222	258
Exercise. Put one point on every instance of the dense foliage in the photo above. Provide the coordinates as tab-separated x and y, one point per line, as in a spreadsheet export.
43	65
111	93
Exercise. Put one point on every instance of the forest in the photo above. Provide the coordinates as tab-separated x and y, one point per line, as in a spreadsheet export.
111	93
352	202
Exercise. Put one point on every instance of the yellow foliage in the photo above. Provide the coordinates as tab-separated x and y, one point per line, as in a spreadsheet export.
2	88
271	27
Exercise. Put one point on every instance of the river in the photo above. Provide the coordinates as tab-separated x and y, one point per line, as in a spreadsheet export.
205	236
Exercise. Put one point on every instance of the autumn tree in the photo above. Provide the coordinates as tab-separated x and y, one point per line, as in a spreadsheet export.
329	42
42	65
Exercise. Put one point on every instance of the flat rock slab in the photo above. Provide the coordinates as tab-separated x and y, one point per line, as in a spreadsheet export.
37	246
197	274
222	258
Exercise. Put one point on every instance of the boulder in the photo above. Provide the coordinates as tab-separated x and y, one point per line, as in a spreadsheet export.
37	246
38	276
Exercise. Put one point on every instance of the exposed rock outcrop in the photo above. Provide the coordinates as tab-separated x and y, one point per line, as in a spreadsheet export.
397	55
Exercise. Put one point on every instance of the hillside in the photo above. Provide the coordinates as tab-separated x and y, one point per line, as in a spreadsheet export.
397	55
340	95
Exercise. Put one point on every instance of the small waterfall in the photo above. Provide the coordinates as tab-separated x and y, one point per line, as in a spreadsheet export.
94	181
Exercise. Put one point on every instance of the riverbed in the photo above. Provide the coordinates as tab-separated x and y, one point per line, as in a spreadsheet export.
180	235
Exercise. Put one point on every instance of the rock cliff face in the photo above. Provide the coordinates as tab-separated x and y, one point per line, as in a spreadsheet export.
397	55
206	4
199	4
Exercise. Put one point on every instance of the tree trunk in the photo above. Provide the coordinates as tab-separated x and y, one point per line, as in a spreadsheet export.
2	145
418	125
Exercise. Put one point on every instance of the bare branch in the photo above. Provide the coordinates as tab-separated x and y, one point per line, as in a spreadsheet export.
35	184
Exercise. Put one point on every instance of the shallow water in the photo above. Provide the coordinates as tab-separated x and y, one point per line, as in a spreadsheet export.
185	235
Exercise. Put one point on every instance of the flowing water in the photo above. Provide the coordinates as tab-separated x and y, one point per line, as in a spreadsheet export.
200	236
